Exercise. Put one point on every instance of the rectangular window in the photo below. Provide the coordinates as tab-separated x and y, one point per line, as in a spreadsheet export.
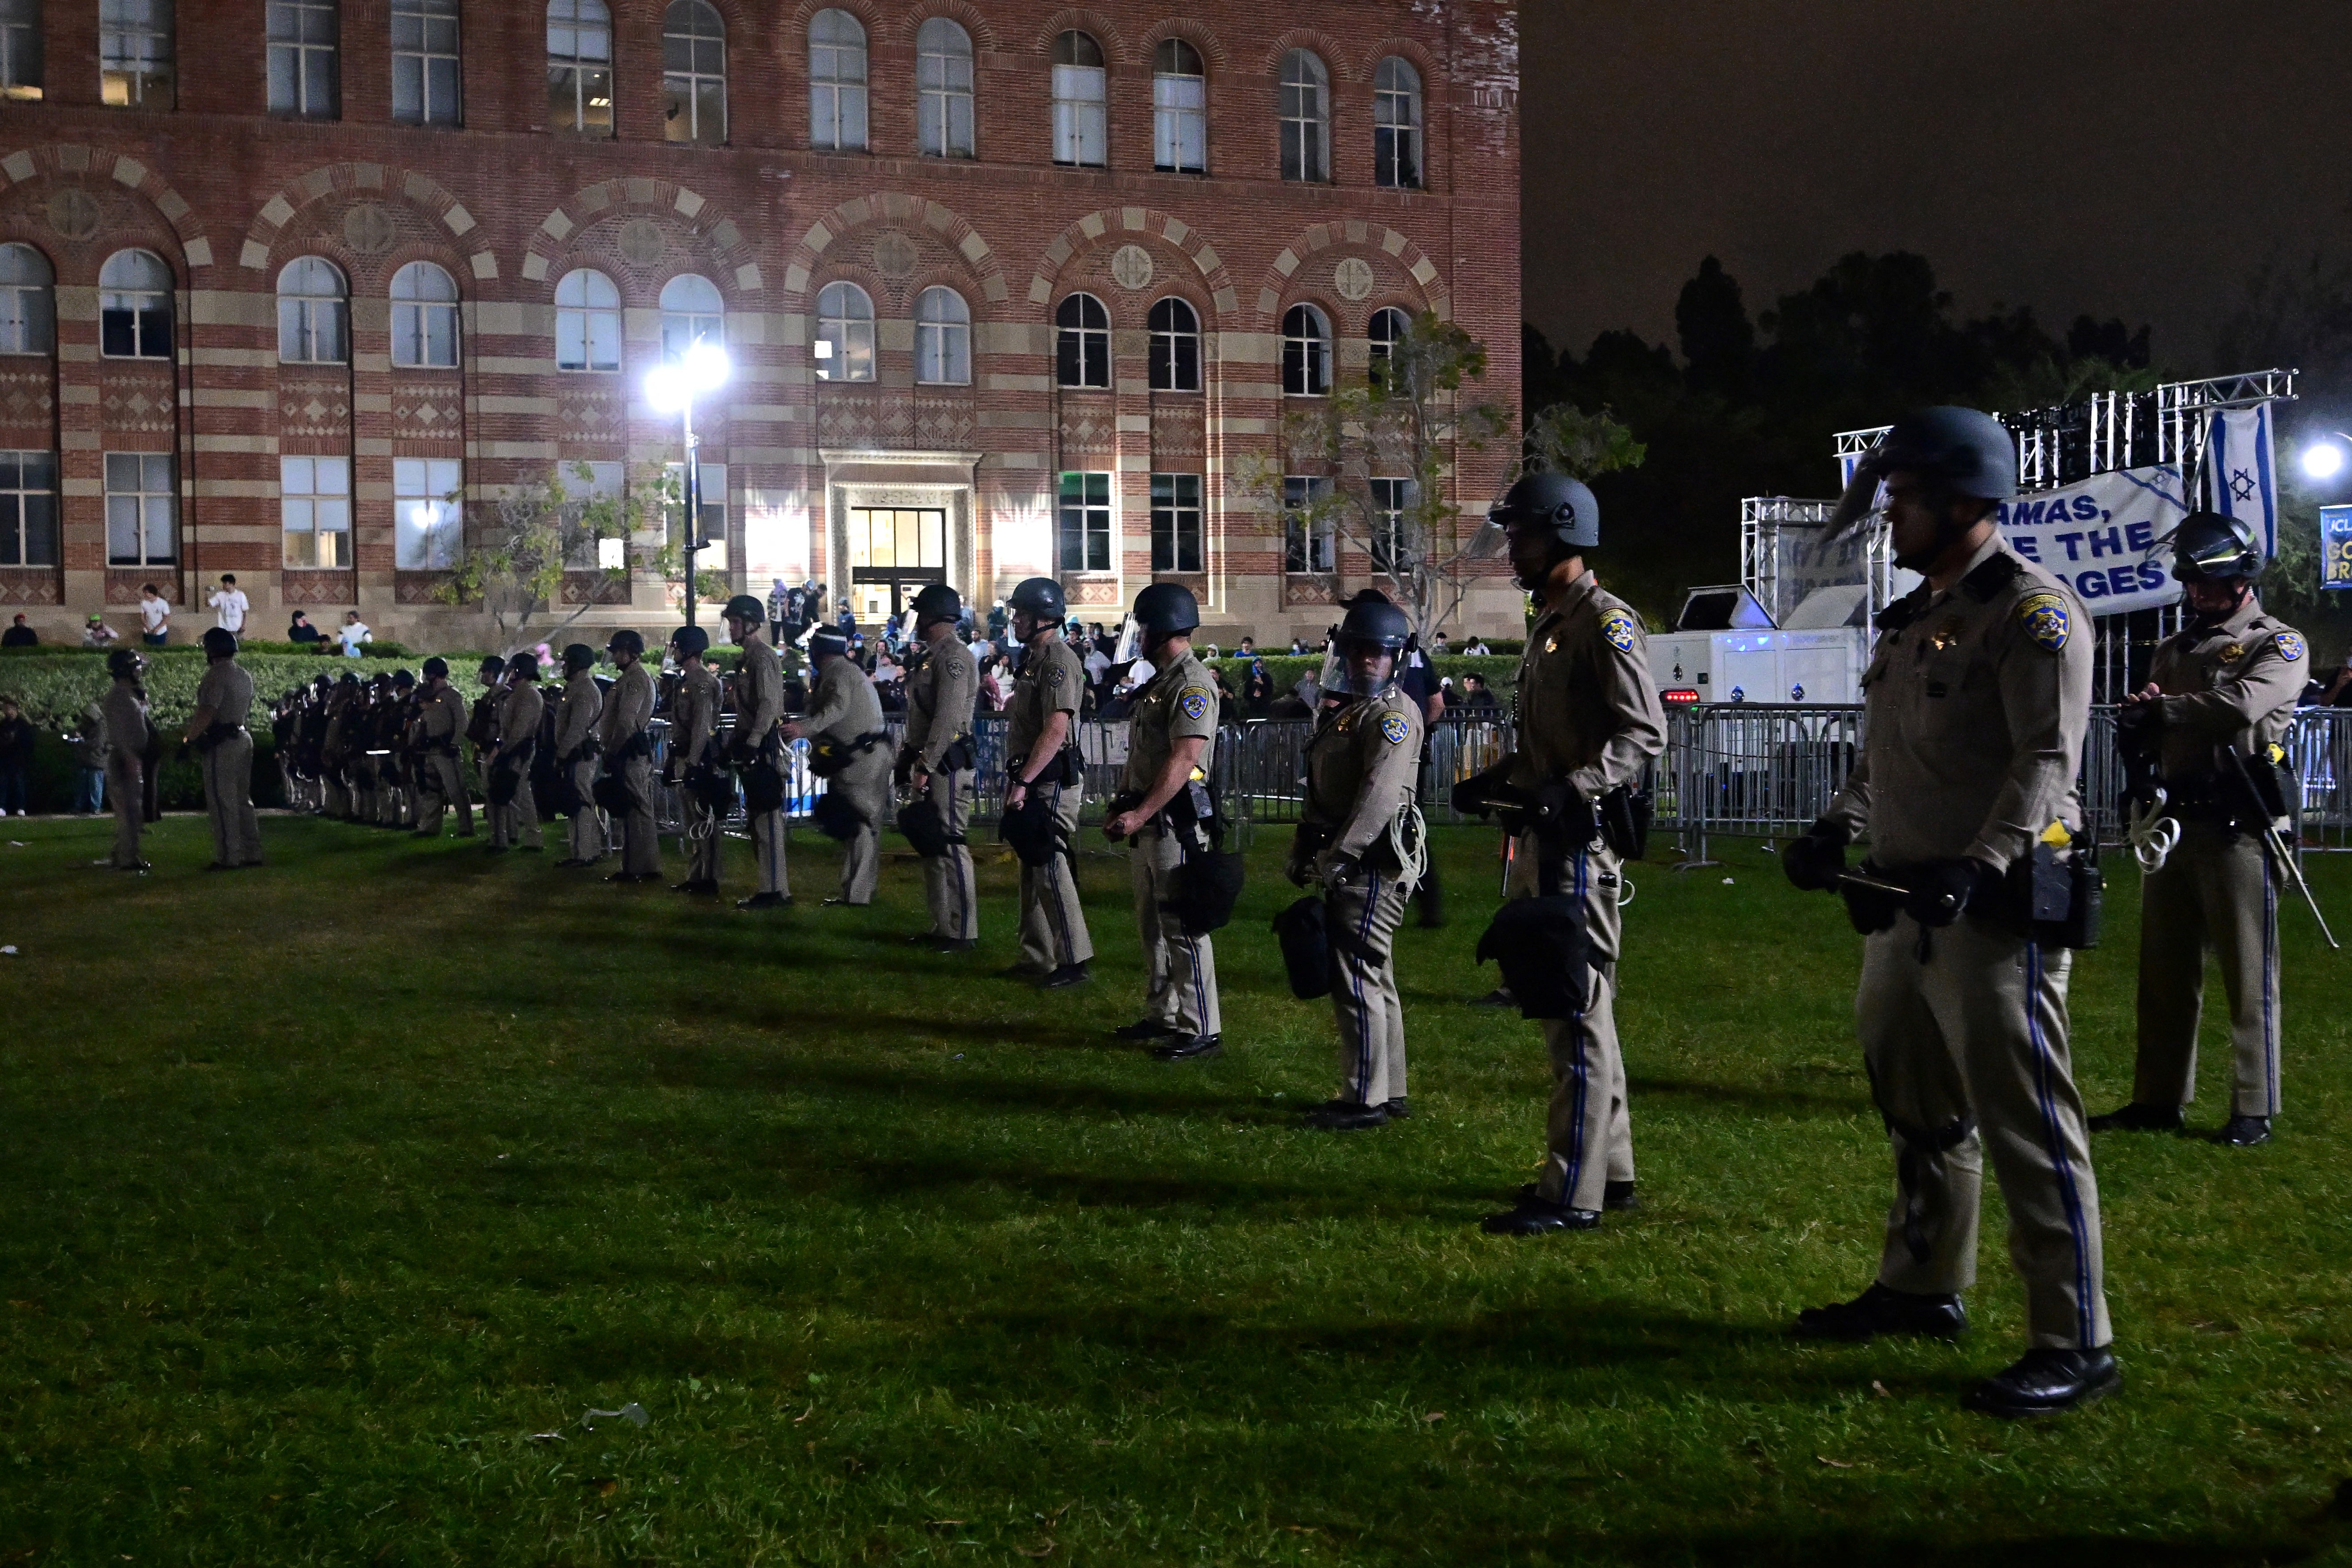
134	323
427	515
28	319
305	37
713	557
134	53
1179	123
1079	133
1085	530
1176	523
587	551
1308	534
20	49
314	511
943	104
142	510
425	61
1391	533
580	68
28	509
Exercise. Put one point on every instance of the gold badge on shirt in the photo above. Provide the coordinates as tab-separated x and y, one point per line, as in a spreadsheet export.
2233	653
1947	635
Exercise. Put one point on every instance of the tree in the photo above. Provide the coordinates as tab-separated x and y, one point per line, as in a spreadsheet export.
1382	450
547	531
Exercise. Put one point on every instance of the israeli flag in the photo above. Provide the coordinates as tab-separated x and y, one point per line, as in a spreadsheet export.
2240	480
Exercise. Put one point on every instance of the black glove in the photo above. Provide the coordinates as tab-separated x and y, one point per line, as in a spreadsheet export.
1814	862
1340	870
1941	888
1471	797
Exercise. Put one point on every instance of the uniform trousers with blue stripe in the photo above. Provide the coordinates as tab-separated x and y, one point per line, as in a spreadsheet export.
2217	894
1967	1052
1053	925
1588	1129
1360	920
947	883
1183	969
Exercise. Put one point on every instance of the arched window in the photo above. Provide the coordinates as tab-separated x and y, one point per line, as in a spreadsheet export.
694	74
20	49
836	82
313	313
1305	117
425	62
692	313
1396	124
134	53
580	66
424	318
942	338
28	303
1386	329
845	333
1306	352
1082	341
1179	108
134	306
943	88
587	322
1175	347
305	45
1081	132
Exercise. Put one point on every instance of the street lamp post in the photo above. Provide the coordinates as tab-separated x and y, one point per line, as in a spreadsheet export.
703	369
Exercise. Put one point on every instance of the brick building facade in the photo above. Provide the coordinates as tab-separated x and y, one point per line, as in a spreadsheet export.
1006	288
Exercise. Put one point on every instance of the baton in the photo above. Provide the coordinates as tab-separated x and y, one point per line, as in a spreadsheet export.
2274	842
1855	879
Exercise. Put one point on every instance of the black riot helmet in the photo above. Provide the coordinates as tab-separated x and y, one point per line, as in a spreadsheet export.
1039	597
125	664
937	602
627	640
825	642
1961	450
525	667
578	657
436	668
350	677
1548	500
745	608
492	668
691	642
219	643
402	679
1376	622
1165	610
2215	547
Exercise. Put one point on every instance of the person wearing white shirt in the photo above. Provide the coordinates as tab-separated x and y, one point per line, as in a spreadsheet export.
154	617
229	606
355	634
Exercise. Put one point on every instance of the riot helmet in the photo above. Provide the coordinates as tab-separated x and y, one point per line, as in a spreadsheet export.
524	667
691	642
219	643
436	668
1554	501
937	602
402	679
578	657
827	643
1165	610
1039	598
627	640
2214	546
125	664
1961	450
743	608
492	668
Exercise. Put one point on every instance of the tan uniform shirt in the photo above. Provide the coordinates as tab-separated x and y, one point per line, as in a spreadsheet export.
1586	711
576	720
518	715
1050	683
759	692
939	697
629	709
1361	769
126	719
2230	685
1974	710
1179	703
694	718
844	707
227	690
444	716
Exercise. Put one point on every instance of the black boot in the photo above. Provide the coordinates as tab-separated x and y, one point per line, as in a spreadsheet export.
2244	1132
2045	1381
1061	979
1881	1309
2136	1117
1619	1197
1189	1048
1345	1116
1144	1029
1398	1109
763	901
1535	1215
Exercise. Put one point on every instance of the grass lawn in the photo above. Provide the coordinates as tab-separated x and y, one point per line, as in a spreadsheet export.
336	1193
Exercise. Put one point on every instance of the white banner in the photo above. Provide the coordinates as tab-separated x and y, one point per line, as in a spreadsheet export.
2100	536
2240	478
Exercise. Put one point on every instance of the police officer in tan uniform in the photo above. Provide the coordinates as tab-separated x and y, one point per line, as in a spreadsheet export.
629	756
691	767
1975	708
440	726
2220	697
845	716
936	759
514	823
1171	743
128	734
1588	722
1048	778
1360	825
757	751
482	723
579	723
216	729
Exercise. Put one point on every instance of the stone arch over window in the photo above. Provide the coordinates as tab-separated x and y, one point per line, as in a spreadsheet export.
370	184
70	163
1116	47
898	210
714	241
1317	254
1119	226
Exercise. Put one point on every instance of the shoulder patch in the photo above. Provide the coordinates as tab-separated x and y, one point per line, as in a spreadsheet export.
1195	702
2043	616
1054	674
1393	729
2290	646
1620	628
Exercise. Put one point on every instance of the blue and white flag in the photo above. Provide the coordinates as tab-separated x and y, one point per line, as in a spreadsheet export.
2240	480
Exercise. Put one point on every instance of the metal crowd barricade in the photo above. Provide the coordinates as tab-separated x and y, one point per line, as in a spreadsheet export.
2319	744
1759	769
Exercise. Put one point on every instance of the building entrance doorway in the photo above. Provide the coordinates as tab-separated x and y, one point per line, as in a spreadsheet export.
893	552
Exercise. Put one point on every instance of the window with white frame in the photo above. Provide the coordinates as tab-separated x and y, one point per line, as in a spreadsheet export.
426	516
1396	124
843	348
1175	346
713	557
943	100
29	301
1391	533
314	511
1385	331
587	322
691	313
1305	104
313	313
305	44
134	306
942	338
142	510
1081	126
1083	531
1176	523
694	74
580	66
1179	108
1309	537
1306	352
837	44
28	509
134	53
1082	341
20	49
425	62
424	318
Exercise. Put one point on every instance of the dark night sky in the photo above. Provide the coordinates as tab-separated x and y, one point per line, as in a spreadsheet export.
2124	157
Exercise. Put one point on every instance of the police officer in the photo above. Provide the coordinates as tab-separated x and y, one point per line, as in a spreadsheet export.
1171	744
1975	706
440	725
1588	722
1046	777
396	779
758	751
216	729
514	821
482	723
578	725
127	734
937	759
337	745
846	715
1359	837
2220	697
693	736
629	756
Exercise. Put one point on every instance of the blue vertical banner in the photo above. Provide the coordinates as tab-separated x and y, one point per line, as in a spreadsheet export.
2336	547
